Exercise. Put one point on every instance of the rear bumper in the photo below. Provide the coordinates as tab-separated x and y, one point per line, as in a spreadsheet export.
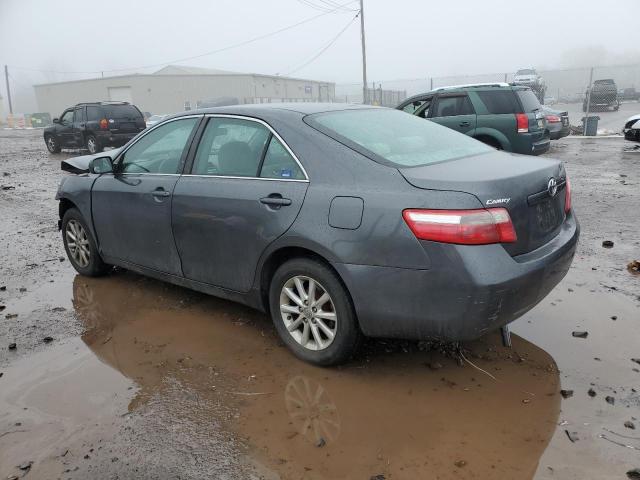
469	291
533	143
557	131
108	139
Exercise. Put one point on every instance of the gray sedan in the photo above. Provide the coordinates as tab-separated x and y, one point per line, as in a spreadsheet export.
340	221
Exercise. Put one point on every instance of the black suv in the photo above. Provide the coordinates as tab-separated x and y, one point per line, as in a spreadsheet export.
94	126
604	94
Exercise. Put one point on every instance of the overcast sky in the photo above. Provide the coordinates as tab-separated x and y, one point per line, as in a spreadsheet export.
405	38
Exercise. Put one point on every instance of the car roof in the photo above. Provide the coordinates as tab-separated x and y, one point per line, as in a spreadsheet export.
473	86
304	108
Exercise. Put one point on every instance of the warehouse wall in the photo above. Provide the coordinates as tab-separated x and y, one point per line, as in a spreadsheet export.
168	93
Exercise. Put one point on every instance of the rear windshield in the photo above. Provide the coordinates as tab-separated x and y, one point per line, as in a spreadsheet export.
395	138
121	111
530	102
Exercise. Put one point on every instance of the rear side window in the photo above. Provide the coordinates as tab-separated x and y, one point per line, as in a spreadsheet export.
394	138
453	106
499	101
529	101
79	115
122	111
278	163
94	113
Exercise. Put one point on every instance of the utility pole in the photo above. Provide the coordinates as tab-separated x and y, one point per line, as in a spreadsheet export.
6	78
585	120
364	56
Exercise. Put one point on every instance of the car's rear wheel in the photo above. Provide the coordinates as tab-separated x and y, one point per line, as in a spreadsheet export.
92	145
312	312
80	245
52	144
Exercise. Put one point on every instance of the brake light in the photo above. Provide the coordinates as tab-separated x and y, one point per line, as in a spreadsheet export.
522	121
465	227
553	119
567	196
104	124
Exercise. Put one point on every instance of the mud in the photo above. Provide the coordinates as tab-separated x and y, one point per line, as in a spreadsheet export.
148	380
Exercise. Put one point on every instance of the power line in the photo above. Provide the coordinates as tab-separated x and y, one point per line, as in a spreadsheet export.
325	48
229	47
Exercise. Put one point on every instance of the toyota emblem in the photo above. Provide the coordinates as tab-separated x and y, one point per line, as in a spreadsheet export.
552	187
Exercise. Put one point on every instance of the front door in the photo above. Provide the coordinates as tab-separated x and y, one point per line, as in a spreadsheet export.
132	207
64	129
456	112
244	191
79	122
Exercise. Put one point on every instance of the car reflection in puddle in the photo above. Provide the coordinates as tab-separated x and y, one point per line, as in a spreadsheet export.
397	414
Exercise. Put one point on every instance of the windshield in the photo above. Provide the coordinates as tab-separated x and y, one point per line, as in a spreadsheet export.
395	138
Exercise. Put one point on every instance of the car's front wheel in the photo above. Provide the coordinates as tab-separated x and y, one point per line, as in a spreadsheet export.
92	145
52	144
313	313
80	245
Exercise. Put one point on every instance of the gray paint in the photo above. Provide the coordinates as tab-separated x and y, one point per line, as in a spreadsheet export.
218	236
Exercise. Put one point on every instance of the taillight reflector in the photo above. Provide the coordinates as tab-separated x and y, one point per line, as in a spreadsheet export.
104	124
567	196
553	119
522	122
465	227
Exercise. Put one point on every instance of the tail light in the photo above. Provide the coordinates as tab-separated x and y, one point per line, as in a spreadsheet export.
104	124
553	119
522	121
567	196
464	227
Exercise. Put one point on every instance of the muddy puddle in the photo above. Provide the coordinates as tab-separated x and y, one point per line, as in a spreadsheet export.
168	382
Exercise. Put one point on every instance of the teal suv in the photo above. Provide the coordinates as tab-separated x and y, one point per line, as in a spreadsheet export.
504	116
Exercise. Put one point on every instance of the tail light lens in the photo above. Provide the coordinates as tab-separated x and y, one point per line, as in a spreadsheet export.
104	124
567	196
553	119
522	121
464	227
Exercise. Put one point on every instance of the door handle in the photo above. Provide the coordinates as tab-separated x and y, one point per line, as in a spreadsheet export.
160	192
464	124
275	200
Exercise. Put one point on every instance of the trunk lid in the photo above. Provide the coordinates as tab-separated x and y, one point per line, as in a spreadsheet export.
515	182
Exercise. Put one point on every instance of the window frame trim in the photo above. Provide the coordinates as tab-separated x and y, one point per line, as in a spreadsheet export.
273	133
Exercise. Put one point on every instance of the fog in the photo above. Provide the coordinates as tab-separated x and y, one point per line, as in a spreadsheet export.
45	41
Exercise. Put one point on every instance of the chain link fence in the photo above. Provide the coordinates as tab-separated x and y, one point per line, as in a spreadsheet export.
598	97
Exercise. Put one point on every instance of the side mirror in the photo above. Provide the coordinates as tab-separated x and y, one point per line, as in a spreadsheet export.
56	120
101	165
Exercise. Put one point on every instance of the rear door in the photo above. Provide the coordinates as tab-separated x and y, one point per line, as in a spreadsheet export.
245	190
454	110
132	207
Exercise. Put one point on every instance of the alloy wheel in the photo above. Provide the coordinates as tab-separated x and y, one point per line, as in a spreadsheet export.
78	243
51	144
91	145
308	312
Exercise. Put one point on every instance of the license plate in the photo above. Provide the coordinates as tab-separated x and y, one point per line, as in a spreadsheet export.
547	216
540	123
565	122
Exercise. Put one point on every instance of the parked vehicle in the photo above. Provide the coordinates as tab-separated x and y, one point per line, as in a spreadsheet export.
557	123
631	128
339	220
153	119
630	95
94	126
501	115
604	94
528	77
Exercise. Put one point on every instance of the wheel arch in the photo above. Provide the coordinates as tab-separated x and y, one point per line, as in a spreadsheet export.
494	138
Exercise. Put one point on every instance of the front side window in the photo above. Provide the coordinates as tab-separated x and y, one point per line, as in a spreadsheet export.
231	147
278	163
394	138
67	117
161	150
453	106
412	107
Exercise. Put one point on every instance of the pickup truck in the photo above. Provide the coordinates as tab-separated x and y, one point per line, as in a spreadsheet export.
604	94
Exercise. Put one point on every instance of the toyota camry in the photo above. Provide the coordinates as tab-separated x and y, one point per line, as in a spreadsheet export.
340	221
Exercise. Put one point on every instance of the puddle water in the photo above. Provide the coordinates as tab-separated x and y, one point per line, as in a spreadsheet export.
164	379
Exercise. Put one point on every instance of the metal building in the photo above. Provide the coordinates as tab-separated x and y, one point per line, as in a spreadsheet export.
176	88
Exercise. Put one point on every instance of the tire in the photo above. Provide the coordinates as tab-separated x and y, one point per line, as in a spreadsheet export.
52	144
93	145
345	329
84	257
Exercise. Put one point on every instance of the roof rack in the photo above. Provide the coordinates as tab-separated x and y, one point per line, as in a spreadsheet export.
470	85
108	102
